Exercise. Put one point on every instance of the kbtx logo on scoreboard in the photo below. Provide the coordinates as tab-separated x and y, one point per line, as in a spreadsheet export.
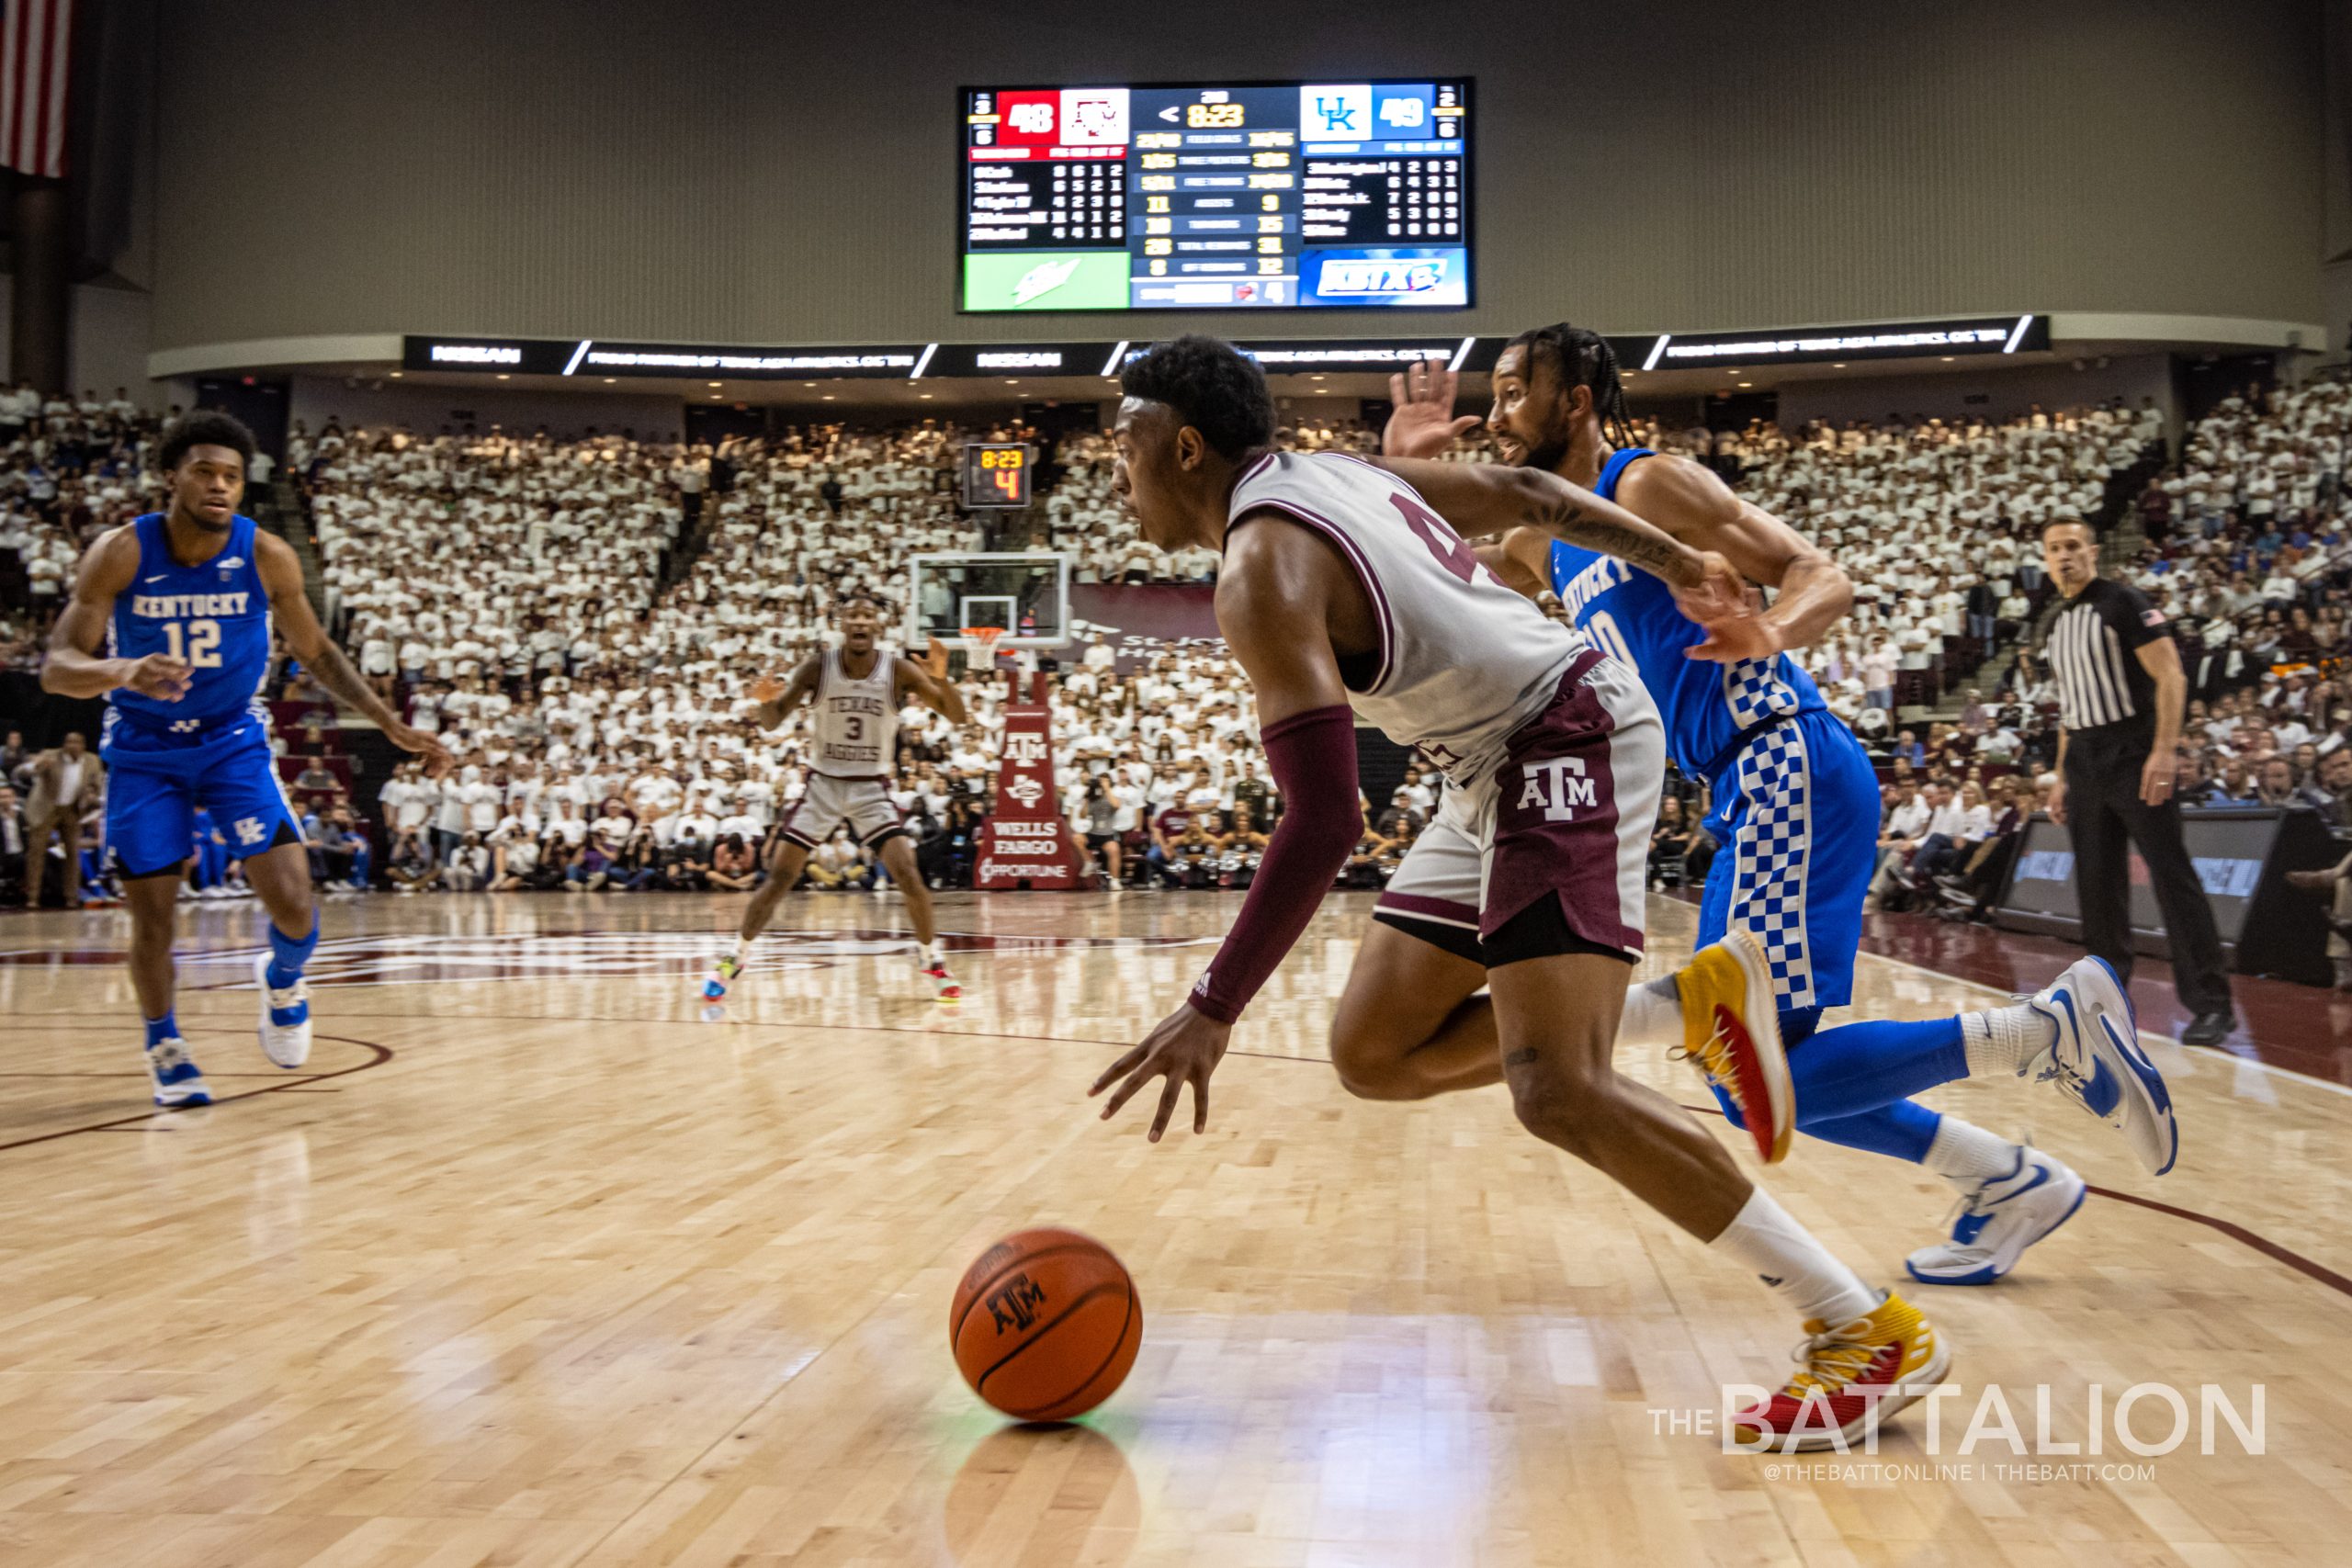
1396	275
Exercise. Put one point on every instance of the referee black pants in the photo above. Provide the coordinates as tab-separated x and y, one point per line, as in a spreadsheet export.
2106	816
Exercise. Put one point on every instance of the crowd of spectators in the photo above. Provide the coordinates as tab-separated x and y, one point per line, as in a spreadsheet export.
578	620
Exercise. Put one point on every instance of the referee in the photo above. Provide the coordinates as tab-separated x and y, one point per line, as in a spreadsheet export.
2121	691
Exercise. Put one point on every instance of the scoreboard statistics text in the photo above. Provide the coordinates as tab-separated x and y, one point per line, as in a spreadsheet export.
1351	194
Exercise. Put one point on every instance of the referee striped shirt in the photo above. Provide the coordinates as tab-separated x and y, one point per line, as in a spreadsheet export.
2093	651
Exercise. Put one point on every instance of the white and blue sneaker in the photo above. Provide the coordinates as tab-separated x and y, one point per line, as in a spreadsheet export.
2095	1060
284	1017
1998	1220
174	1074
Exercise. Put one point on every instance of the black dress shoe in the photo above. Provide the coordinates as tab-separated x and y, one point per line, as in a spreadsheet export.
2209	1029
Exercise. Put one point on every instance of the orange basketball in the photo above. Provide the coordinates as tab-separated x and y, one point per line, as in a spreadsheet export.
1046	1324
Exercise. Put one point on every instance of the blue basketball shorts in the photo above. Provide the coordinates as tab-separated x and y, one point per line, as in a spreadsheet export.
152	795
1796	817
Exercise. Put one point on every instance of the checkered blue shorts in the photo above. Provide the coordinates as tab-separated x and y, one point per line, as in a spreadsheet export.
1796	815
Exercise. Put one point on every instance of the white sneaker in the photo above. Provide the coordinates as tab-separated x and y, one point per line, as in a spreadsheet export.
1998	1220
285	1026
2095	1061
177	1079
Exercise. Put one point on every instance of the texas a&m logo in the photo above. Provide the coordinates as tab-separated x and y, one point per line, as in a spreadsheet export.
1014	1303
1557	784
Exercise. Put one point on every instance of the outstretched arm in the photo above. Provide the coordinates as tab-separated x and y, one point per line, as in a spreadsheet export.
74	668
1276	603
281	576
928	681
1479	498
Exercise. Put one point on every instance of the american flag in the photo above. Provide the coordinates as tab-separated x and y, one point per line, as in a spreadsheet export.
36	39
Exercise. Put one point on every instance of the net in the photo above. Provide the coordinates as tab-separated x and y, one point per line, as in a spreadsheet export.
979	645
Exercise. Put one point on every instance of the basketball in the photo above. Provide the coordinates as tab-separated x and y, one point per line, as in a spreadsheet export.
1045	1324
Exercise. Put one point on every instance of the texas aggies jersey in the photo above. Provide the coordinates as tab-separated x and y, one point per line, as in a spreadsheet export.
856	727
1463	662
1632	616
215	615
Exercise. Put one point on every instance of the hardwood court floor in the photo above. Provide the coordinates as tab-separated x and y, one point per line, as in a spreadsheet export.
535	1267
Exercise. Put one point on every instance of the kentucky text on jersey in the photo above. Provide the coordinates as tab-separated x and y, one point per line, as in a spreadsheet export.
1593	580
213	616
183	606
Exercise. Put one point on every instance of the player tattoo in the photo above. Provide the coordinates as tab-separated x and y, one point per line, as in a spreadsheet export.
1563	518
334	670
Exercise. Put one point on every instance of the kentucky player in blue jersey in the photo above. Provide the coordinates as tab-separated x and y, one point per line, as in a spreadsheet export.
170	622
1795	808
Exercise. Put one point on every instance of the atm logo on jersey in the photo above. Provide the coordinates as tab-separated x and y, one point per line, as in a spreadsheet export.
1388	277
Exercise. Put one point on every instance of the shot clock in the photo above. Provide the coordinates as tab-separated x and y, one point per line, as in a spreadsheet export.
997	474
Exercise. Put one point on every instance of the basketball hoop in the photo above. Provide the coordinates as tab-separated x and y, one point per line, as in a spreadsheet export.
979	645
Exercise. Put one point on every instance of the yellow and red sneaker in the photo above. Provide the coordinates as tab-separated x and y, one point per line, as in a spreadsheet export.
1731	1032
1854	1377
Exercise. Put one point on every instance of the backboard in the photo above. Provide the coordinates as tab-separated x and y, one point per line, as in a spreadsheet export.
1025	592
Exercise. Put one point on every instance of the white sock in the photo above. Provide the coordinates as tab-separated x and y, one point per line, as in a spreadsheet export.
1653	1014
2003	1040
742	953
932	957
1966	1155
1783	1254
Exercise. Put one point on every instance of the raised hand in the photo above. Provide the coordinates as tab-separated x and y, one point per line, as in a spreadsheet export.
934	658
1424	424
768	690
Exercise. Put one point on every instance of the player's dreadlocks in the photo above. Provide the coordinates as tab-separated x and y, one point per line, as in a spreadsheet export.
1582	357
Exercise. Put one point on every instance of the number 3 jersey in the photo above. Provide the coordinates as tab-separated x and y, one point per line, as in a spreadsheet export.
856	730
1632	616
1463	662
214	615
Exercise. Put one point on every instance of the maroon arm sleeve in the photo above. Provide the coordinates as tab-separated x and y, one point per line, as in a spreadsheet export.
1313	756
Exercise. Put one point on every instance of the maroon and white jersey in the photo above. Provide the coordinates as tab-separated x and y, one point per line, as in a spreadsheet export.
855	731
1465	661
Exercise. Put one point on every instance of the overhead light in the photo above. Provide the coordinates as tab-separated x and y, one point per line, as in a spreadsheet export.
501	375
715	398
810	385
396	374
1317	377
924	395
1837	367
714	383
1947	359
1747	383
828	397
609	381
1011	382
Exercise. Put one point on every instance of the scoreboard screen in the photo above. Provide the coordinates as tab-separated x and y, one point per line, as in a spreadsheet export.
997	474
1352	193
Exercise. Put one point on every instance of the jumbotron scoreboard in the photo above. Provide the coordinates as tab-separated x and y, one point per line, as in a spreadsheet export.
1289	194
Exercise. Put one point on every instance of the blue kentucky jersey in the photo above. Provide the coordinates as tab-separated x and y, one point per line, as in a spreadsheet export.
1632	616
215	615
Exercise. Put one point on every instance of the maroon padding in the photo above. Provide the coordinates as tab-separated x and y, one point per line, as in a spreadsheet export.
1313	756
